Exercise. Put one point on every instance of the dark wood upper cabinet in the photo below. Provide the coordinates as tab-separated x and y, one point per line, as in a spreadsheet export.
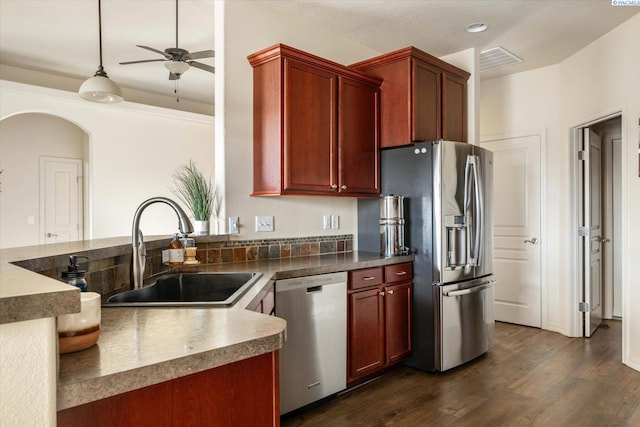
422	97
316	126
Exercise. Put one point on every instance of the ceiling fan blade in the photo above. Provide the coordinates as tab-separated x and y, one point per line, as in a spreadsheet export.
174	76
204	67
202	54
155	50
144	60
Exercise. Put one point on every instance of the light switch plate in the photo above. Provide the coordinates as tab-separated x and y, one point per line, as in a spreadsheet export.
335	222
234	225
264	223
326	222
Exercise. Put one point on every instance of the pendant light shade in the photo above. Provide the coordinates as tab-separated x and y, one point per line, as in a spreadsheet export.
100	88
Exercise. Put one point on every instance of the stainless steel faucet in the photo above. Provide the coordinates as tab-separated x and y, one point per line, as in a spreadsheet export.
139	251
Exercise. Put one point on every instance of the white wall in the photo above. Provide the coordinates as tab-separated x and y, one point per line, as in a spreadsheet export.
249	27
133	151
23	140
600	79
28	372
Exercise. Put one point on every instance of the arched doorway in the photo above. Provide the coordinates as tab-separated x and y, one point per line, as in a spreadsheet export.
43	184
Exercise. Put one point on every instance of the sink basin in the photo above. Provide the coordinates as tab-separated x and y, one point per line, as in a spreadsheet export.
188	289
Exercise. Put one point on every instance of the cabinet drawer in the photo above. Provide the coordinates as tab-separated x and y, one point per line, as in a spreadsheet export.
398	273
365	278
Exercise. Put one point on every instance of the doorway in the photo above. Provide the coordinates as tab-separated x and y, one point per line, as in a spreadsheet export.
597	186
26	139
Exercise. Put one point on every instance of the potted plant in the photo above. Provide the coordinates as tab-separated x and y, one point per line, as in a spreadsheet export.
198	193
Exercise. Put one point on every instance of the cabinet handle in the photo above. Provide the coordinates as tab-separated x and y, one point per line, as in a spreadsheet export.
334	186
401	273
343	187
390	292
381	293
366	279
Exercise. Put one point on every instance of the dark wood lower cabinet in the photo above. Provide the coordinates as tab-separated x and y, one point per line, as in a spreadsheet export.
397	317
379	316
243	393
366	333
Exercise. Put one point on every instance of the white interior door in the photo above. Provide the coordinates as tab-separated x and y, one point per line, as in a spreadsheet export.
592	240
61	199
517	246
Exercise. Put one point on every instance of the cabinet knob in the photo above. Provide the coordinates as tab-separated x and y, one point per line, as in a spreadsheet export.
343	187
381	293
334	186
390	292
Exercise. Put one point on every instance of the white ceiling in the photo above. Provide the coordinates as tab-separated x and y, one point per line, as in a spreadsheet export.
61	36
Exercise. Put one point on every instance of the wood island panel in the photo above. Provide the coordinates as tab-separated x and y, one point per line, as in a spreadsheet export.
243	393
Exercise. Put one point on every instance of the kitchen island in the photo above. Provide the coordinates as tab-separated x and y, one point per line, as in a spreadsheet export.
145	347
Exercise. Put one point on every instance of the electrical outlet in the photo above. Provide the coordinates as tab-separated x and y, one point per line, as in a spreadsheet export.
264	223
234	225
326	222
335	222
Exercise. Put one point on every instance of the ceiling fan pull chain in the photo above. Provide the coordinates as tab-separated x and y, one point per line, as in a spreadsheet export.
176	91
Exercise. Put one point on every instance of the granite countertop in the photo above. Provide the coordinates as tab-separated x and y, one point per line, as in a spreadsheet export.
139	347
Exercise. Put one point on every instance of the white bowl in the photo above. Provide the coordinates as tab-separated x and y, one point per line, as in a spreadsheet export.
79	331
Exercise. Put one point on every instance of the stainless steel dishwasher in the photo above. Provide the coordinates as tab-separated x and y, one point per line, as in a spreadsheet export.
313	361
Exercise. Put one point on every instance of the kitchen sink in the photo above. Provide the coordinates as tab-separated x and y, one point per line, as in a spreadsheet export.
188	289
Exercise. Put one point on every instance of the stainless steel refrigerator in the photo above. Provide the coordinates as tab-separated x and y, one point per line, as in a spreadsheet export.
449	228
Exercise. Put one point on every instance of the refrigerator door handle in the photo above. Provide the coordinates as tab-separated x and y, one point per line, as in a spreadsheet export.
479	216
468	291
467	208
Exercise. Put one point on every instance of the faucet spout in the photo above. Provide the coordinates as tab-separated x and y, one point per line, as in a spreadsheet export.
139	253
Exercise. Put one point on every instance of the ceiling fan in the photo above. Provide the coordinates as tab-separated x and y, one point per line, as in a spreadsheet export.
178	60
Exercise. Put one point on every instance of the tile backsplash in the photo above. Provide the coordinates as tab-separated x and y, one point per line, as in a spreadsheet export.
109	270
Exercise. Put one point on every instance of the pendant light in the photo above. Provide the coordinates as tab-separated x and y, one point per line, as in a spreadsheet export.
100	88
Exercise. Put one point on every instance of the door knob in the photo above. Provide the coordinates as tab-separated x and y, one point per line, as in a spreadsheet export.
52	235
604	240
533	241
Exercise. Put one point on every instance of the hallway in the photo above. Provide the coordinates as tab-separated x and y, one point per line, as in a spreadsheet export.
530	378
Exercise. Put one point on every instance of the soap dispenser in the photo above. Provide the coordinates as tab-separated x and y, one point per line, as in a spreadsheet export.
74	276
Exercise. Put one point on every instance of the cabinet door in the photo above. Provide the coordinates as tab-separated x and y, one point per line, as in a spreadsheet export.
454	108
358	138
426	119
310	129
366	333
397	302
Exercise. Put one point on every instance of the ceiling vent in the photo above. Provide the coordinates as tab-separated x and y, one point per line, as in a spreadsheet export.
497	57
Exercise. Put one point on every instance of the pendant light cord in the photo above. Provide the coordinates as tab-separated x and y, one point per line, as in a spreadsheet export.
100	29
100	71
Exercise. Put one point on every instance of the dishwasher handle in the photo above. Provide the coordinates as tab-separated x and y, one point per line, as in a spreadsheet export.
468	291
314	289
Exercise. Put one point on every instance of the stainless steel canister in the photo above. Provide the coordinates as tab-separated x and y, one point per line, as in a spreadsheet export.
392	225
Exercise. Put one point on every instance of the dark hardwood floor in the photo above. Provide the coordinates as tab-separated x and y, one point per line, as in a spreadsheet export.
530	378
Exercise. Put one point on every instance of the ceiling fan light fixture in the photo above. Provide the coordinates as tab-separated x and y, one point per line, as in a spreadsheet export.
100	88
176	67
